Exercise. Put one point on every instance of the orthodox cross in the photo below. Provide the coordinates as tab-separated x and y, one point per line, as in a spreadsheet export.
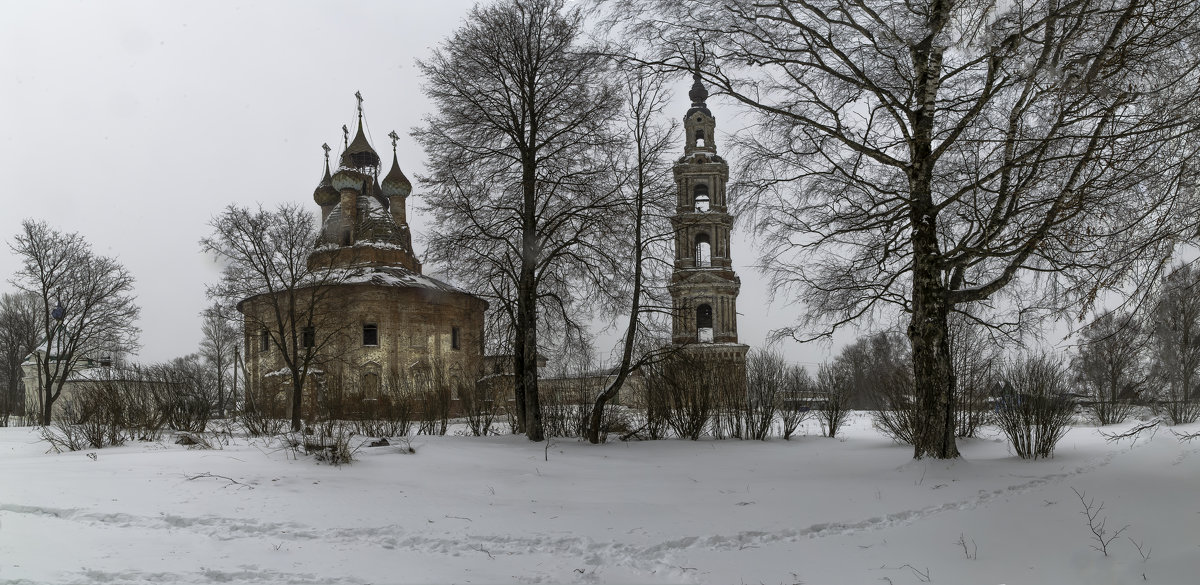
345	136
358	96
327	149
394	138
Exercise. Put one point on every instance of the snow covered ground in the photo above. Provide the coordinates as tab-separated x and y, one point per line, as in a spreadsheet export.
493	510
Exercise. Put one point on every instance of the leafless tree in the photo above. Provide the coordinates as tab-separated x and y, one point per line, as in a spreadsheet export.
925	156
1111	366
795	401
1175	340
766	383
266	274
519	191
976	356
220	337
85	304
646	193
20	329
833	395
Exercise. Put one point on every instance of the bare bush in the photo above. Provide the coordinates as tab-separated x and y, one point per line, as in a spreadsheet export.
1035	410
332	442
833	396
897	415
766	382
433	400
479	406
795	401
683	388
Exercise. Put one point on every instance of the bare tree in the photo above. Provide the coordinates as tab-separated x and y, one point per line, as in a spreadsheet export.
928	155
219	339
976	357
647	197
1111	366
284	300
1175	339
796	400
766	383
833	394
20	328
518	191
85	304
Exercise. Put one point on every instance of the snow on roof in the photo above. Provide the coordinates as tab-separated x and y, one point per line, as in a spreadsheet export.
397	276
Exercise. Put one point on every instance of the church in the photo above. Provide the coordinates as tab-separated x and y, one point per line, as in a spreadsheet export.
391	326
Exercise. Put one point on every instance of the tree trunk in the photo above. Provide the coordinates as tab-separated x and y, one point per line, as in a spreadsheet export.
933	378
297	395
527	298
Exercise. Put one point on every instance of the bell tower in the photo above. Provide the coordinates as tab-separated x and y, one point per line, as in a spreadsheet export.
704	287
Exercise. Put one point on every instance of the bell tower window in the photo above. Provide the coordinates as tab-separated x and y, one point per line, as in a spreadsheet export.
704	323
700	137
700	197
703	251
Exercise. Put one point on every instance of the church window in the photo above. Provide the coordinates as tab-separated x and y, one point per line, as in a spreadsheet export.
703	251
308	337
346	237
264	340
454	338
704	323
370	334
700	137
700	197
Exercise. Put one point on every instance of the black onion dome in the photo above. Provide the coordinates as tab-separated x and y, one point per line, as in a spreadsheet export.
325	194
395	184
699	95
359	154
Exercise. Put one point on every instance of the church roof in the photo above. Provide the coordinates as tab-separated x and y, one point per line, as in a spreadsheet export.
396	276
359	153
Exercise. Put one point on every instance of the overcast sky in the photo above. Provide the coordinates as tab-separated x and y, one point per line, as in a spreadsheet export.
133	123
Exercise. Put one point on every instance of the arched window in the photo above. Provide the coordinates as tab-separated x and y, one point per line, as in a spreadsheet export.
700	137
704	323
703	251
700	197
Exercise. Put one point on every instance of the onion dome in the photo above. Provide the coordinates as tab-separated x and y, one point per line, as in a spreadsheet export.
325	194
348	179
359	154
699	95
395	184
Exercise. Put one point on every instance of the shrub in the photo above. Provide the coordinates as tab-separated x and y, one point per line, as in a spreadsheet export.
795	400
833	392
1034	410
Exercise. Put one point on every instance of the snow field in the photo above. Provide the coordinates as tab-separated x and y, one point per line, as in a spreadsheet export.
494	510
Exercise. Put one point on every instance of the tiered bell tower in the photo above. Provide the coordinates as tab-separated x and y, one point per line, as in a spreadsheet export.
704	287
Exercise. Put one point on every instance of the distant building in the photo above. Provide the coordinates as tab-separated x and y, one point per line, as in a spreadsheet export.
400	326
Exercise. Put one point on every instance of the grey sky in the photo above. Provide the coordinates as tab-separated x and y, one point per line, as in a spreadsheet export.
133	123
